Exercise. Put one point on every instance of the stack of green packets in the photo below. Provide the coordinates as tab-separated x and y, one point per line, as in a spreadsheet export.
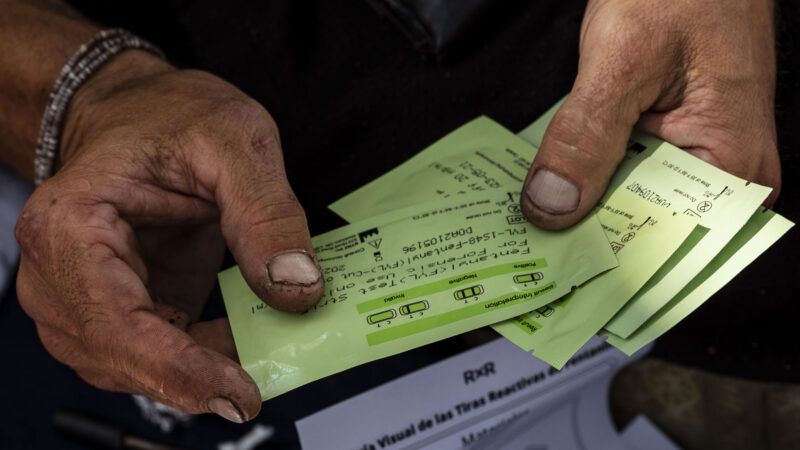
438	247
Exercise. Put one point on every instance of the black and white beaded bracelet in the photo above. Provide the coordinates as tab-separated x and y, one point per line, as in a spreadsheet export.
89	58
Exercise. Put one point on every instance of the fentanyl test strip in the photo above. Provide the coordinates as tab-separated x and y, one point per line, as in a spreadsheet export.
753	238
425	270
409	278
484	156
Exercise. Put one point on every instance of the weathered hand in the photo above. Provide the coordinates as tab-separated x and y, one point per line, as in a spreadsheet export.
697	73
161	168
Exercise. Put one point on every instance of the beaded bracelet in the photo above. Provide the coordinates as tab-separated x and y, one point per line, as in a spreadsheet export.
89	58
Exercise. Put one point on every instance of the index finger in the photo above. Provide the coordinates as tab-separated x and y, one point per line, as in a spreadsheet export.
105	305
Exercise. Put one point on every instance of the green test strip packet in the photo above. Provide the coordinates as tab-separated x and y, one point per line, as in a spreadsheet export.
674	179
482	155
758	234
644	237
479	156
408	278
762	230
682	183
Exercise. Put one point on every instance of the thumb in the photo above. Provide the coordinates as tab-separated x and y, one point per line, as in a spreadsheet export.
617	79
581	148
265	227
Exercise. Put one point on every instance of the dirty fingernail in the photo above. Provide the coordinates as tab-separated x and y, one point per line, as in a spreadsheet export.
293	268
223	407
552	193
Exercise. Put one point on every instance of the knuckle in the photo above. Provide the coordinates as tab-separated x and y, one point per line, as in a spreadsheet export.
266	190
30	224
93	323
264	145
60	347
633	27
196	373
175	378
282	206
26	228
146	353
280	218
48	214
575	136
257	165
625	53
239	114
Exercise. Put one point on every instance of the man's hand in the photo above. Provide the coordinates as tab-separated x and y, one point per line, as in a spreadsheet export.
161	168
697	73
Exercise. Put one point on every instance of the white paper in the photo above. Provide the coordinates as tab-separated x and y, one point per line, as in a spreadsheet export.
641	434
493	396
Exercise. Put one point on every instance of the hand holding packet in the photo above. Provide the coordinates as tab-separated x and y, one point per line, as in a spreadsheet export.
408	278
484	156
650	217
644	237
761	230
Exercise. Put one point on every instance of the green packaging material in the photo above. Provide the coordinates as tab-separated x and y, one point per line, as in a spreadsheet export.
759	233
483	155
643	236
409	278
479	156
674	179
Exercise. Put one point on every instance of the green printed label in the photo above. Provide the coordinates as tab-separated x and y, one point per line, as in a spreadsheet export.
387	275
412	308
381	316
428	323
525	324
448	283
